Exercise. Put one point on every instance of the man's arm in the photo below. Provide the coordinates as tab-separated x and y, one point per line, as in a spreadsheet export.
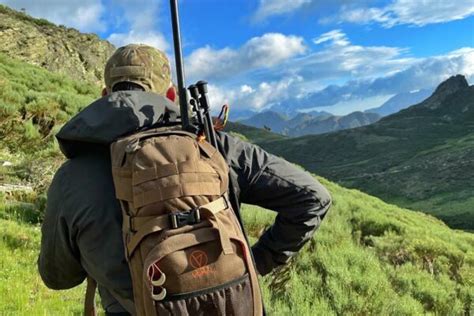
273	183
58	263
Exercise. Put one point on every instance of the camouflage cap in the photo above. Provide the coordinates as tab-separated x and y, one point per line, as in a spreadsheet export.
140	64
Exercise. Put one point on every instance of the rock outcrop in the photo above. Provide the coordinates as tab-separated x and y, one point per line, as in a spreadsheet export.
451	85
56	48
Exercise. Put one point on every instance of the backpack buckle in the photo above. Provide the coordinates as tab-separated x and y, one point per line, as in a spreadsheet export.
181	219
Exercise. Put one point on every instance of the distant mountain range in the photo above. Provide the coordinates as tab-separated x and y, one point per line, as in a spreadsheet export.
309	123
320	122
401	101
421	157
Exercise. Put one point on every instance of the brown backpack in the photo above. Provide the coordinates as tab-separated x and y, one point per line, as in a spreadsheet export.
185	248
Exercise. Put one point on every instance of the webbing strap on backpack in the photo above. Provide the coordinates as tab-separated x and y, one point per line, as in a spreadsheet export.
89	301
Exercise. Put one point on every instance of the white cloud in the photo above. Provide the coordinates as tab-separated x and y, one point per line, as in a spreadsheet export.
291	82
418	13
294	92
219	96
258	97
246	89
267	8
337	57
142	19
422	74
151	38
259	52
84	15
365	74
411	12
335	36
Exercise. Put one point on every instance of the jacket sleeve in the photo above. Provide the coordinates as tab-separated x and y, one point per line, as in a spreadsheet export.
273	183
58	263
82	231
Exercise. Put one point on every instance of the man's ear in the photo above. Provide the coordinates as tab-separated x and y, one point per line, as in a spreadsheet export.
104	92
171	94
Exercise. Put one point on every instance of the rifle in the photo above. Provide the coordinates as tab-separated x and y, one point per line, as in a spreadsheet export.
198	91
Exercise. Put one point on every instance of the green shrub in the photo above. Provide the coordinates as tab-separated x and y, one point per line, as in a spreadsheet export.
22	212
34	102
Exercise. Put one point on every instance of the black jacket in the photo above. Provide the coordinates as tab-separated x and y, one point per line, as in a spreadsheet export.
81	233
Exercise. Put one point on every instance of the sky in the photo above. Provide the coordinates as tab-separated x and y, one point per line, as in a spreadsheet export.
334	55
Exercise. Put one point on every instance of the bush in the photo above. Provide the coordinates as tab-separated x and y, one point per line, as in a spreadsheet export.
34	104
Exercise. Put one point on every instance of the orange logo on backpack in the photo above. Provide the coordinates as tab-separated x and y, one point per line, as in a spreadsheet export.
198	259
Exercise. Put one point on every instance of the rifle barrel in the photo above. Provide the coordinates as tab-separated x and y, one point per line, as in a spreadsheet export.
183	97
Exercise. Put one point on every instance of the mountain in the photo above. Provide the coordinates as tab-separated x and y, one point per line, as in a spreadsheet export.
421	157
321	125
269	119
302	118
56	48
401	101
250	133
309	123
239	114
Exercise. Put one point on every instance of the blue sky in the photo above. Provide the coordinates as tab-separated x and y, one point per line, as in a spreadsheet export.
336	55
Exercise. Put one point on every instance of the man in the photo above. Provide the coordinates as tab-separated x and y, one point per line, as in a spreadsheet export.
82	227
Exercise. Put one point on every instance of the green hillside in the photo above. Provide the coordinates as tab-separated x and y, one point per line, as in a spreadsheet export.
34	103
369	258
421	157
252	134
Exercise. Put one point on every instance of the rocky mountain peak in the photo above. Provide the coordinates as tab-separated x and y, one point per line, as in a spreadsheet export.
451	85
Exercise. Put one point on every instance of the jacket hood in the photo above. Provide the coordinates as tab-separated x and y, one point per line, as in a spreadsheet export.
111	117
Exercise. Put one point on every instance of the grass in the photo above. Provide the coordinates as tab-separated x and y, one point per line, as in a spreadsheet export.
368	258
371	258
34	104
21	290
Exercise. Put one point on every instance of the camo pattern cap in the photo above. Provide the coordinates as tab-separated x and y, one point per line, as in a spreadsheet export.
140	64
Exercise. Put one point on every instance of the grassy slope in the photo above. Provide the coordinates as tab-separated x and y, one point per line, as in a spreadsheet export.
252	133
418	158
34	104
373	258
21	289
368	258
